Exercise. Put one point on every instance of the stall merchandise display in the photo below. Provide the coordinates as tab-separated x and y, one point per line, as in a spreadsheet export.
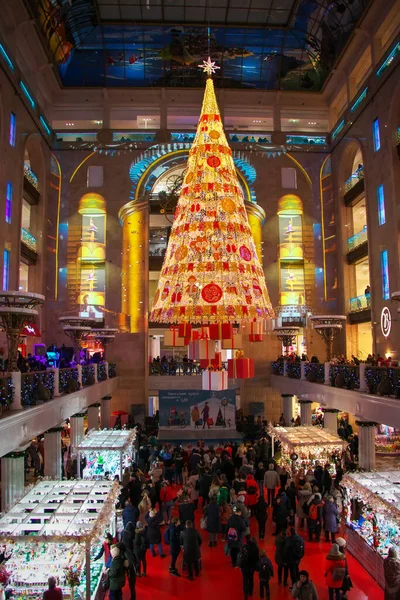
106	451
57	525
387	444
373	508
303	446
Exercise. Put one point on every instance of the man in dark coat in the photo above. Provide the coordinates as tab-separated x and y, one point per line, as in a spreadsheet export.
213	521
293	552
135	490
191	542
153	520
260	512
204	484
280	515
228	469
172	537
186	510
130	514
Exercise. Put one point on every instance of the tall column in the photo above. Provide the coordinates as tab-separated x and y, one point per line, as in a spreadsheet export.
330	419
134	217
288	408
305	411
93	412
105	412
366	445
256	216
12	478
52	453
155	346
76	431
16	381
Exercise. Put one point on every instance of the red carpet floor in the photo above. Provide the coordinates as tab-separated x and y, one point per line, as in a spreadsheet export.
219	580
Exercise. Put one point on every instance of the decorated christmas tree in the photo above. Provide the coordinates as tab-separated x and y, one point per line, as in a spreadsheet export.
211	271
220	420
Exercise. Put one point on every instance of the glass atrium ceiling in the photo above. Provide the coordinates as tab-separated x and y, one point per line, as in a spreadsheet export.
259	44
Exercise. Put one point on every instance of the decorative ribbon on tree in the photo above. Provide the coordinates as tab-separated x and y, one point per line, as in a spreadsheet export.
211	272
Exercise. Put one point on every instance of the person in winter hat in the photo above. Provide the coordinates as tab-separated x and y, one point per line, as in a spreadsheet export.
140	548
266	572
314	517
271	482
212	514
154	519
347	583
280	557
167	496
330	515
335	571
304	589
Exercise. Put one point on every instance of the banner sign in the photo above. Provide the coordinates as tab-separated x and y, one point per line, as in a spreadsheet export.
197	409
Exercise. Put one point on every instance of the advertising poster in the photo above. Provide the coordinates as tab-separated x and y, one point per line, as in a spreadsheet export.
197	409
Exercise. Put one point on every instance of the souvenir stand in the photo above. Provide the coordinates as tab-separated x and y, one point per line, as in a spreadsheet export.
106	451
56	526
372	517
303	446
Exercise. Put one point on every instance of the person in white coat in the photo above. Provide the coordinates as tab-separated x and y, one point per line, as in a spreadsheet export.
271	482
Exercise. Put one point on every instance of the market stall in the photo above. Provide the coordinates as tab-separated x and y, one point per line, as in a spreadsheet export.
107	452
387	441
55	530
303	446
372	517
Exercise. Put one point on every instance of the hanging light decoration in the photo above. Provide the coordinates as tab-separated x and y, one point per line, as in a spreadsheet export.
211	272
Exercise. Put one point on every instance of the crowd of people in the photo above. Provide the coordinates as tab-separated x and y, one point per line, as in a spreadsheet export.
374	360
175	500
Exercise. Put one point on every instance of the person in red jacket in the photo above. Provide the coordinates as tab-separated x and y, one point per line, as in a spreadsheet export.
167	496
53	593
335	571
252	492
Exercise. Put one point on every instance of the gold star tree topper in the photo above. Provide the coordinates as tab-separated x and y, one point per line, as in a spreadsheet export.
209	67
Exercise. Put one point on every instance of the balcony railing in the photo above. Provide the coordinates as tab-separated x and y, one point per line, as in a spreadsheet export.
66	376
37	387
31	177
359	303
357	239
6	392
88	375
384	381
354	178
28	239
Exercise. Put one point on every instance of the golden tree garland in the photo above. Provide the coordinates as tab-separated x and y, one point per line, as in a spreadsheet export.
211	271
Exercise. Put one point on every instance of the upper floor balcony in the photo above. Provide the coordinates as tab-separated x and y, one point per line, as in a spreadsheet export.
360	309
31	185
354	186
28	246
365	391
357	246
31	403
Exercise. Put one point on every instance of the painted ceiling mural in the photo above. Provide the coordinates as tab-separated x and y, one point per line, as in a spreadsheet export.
259	44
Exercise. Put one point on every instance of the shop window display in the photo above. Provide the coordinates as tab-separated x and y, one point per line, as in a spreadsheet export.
372	514
57	526
107	452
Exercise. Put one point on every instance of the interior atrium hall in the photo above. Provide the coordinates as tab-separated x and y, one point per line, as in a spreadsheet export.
199	196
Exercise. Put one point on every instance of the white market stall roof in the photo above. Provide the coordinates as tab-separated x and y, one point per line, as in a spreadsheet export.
61	511
377	488
306	436
107	439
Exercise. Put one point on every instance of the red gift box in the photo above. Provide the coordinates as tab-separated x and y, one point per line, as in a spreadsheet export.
201	350
222	331
254	330
203	333
256	337
241	368
215	362
185	330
